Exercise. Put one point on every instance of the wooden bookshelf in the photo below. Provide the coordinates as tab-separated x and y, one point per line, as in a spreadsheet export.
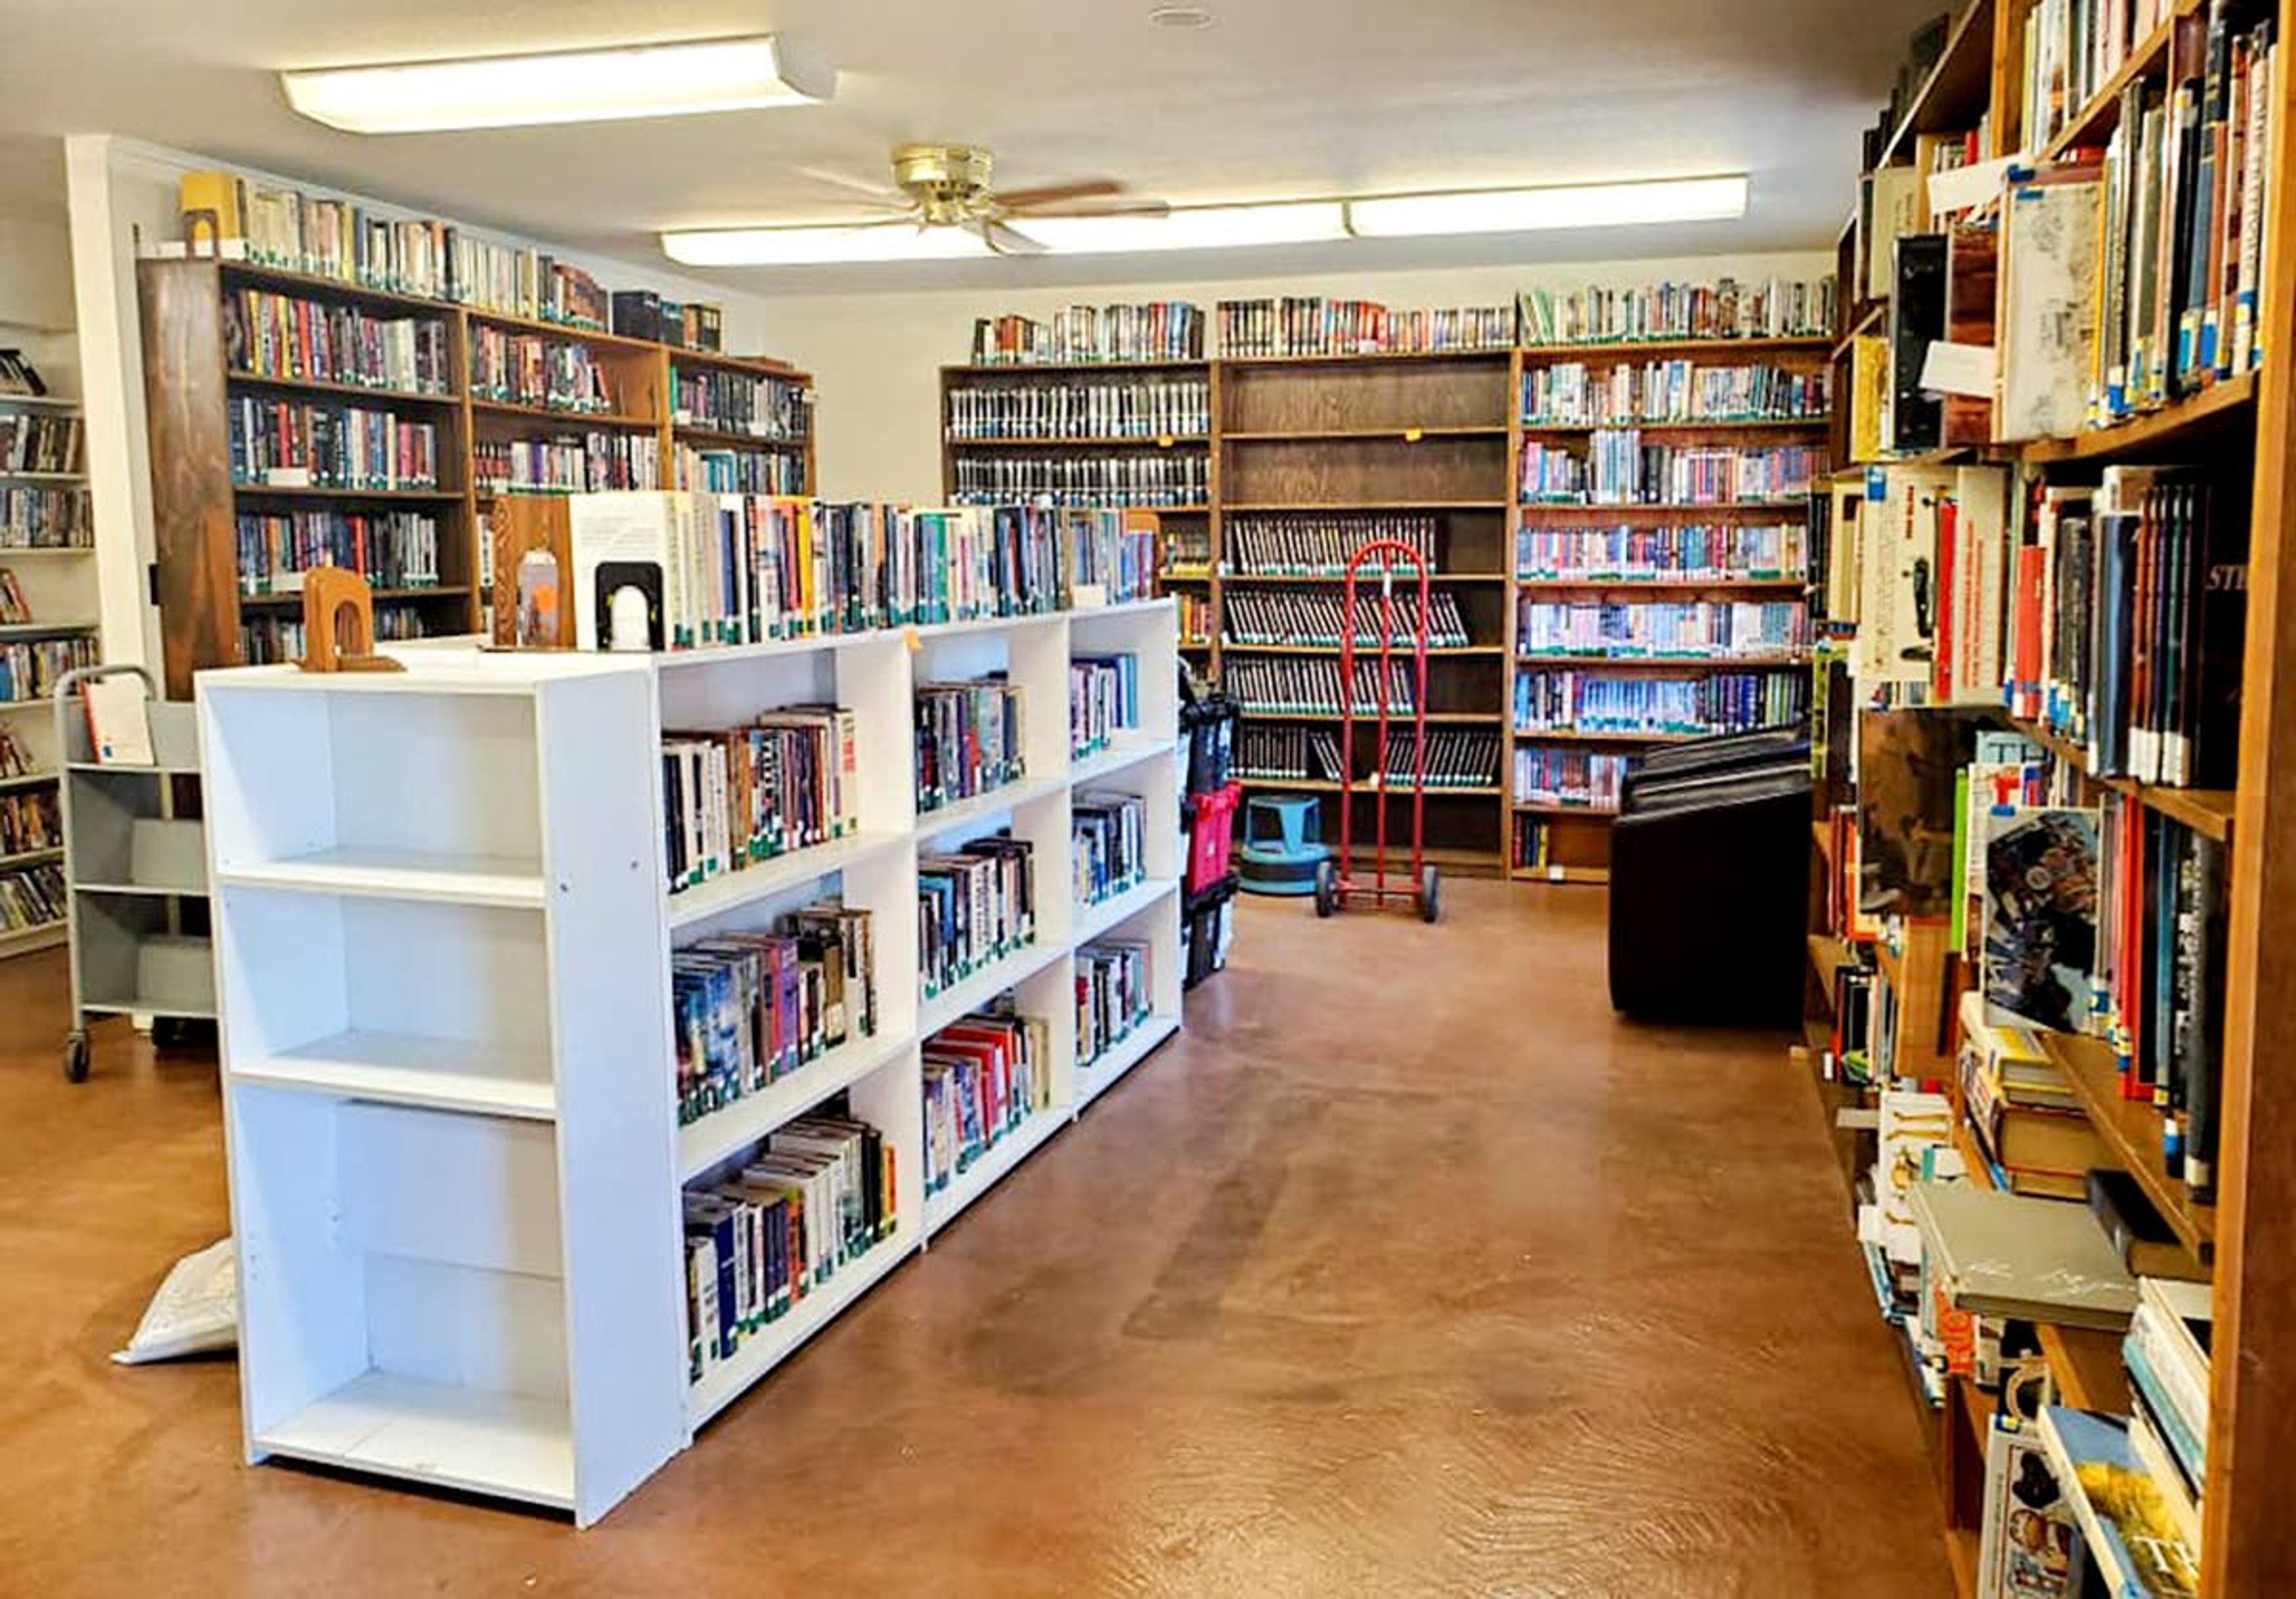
2131	1130
190	382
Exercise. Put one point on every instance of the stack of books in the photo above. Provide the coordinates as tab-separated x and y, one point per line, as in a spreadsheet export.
737	796
750	1009
974	907
985	1077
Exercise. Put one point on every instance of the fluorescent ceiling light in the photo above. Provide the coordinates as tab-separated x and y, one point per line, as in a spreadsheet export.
1527	210
822	246
1194	227
575	85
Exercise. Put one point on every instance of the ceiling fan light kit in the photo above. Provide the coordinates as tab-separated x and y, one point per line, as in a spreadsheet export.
750	73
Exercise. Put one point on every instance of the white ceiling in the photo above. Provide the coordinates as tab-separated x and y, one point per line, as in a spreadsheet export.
1282	97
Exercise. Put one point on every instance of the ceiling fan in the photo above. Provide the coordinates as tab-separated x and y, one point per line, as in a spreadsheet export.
953	186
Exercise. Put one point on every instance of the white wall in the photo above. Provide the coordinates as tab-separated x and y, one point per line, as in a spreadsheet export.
876	358
122	199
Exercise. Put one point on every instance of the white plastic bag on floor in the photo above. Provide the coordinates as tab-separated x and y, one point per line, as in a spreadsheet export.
195	1310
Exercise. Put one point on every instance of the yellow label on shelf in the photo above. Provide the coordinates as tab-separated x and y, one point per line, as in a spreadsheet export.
1165	441
1558	874
1413	435
910	638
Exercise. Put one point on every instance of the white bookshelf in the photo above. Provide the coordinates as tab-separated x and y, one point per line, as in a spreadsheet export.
452	1120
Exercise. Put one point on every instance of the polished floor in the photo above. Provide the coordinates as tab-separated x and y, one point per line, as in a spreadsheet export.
1407	1270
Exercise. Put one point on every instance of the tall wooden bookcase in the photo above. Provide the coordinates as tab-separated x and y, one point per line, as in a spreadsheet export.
2242	425
444	950
190	386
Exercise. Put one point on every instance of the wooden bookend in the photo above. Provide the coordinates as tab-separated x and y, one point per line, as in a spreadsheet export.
523	617
339	624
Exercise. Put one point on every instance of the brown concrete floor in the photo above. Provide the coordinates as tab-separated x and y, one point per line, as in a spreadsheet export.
1407	1270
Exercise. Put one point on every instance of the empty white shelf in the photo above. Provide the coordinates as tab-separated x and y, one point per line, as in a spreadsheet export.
503	880
971	993
480	1440
1124	752
949	818
437	1073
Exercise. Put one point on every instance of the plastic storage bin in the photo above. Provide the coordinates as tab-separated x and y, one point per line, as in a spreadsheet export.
1212	834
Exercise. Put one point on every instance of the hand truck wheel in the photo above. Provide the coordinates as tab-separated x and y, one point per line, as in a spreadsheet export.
1430	895
1327	888
76	1056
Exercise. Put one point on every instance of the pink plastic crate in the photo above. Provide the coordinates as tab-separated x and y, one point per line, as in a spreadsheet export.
1214	834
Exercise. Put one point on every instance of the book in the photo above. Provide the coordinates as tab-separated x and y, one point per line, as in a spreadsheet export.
2007	1255
1917	319
970	739
1683	552
1322	543
1318	616
2126	1528
2039	926
1691	630
985	1077
2049	258
1112	996
2030	1543
975	906
1574	394
1556	699
119	721
737	796
750	1009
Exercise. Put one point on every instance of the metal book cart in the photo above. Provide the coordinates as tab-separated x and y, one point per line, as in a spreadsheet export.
1337	885
136	872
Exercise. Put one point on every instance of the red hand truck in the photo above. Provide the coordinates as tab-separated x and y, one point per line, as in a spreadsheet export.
1336	886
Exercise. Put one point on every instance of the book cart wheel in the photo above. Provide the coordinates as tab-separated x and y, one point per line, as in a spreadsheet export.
76	1056
1327	888
1430	895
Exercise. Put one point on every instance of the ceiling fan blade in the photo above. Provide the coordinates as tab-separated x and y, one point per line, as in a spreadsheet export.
1007	241
881	193
1114	207
1044	194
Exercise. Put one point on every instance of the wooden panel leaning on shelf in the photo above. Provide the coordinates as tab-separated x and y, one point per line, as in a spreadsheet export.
427	1085
297	421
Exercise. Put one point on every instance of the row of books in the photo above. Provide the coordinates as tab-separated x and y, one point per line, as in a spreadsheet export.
1582	779
1308	324
974	907
693	325
38	442
537	370
33	897
269	335
1319	616
328	444
323	236
29	822
44	517
2072	49
1445	757
1108	837
1617	468
1726	308
1266	754
736	796
970	738
750	1009
1109	555
1319	544
1534	845
30	668
718	469
985	1077
1112	996
19	378
1083	335
2129	624
273	639
568	464
1643	629
735	569
1187	549
1195	615
2182	193
1691	552
391	549
1310	685
753	403
1139	407
813	1199
1104	701
1159	478
1576	701
1575	395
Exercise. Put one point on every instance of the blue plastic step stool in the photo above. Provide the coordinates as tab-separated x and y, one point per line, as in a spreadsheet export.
1280	851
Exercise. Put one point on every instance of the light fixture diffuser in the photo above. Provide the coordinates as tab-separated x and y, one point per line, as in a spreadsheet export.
1189	227
574	86
822	246
1531	210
